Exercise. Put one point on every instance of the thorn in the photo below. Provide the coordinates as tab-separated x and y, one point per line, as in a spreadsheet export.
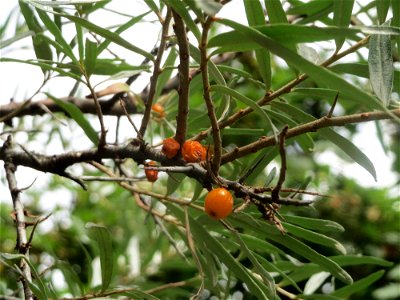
330	113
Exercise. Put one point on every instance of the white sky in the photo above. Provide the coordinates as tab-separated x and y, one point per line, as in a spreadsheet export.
21	80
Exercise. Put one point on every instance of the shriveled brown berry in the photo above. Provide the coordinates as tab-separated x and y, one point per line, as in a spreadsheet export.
170	147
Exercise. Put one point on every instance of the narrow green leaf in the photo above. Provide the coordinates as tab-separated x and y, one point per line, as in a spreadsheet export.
382	7
283	33
270	232
210	7
79	38
342	10
90	56
41	48
224	256
139	295
267	155
254	12
72	279
42	37
350	149
319	225
55	31
359	285
257	109
267	278
325	94
79	118
242	131
298	273
312	255
212	68
174	181
320	297
353	260
383	29
16	38
62	2
236	71
396	21
102	237
309	8
198	188
166	73
46	65
152	5
114	37
270	177
344	144
112	67
4	25
380	62
273	268
361	70
314	237
255	16
38	286
275	11
257	244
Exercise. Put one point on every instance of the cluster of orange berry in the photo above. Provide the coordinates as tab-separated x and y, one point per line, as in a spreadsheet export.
192	151
219	202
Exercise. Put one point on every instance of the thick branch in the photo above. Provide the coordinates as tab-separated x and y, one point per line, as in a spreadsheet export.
184	80
324	122
57	164
87	106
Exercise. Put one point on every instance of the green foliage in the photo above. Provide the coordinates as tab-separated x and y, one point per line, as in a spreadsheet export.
130	237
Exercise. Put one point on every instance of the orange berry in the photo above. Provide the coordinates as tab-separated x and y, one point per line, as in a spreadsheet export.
158	108
193	151
218	203
170	147
151	175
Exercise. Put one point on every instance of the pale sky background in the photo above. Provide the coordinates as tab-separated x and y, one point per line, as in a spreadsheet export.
22	80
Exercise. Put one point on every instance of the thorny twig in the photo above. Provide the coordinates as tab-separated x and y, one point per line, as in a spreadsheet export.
22	241
139	136
282	173
103	132
156	73
207	97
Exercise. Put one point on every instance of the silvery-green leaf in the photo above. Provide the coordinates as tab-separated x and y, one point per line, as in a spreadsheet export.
209	7
380	63
308	53
315	282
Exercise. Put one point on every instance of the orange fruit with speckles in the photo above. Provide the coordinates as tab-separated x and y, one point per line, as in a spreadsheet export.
159	109
193	151
218	203
151	175
170	147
